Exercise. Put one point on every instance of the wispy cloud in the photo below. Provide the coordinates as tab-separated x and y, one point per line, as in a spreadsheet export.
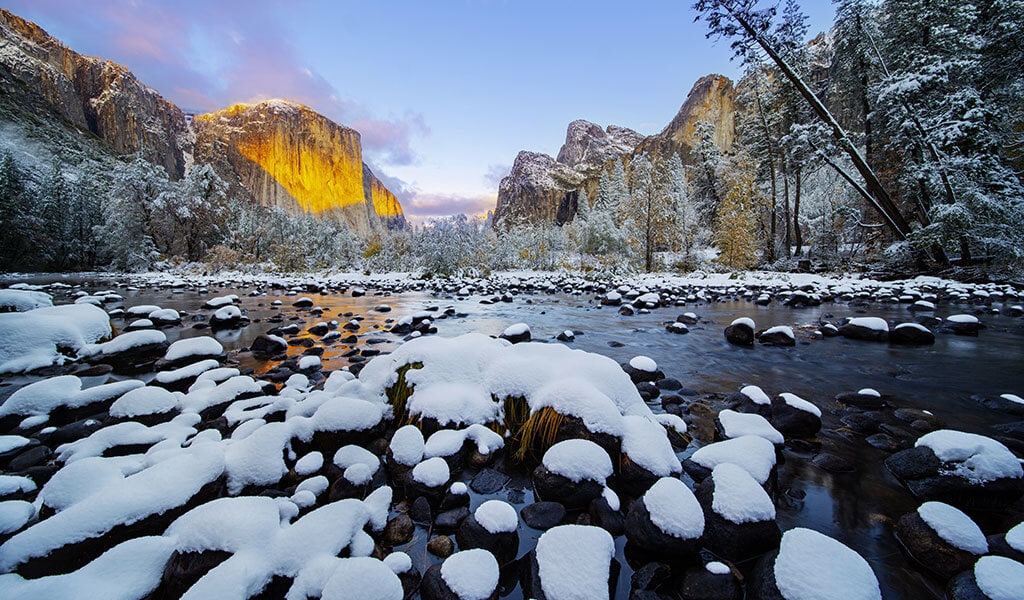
495	173
206	55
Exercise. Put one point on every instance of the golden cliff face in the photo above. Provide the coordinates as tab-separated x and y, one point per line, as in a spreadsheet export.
290	156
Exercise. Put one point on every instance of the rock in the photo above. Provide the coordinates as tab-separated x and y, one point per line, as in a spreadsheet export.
863	329
650	577
489	481
543	515
740	334
669	384
420	511
517	334
648	391
1005	403
503	545
604	516
677	327
929	549
833	463
671	497
642	369
566	336
862	423
911	334
777	336
700	583
968	325
885	442
449	520
726	532
965	587
264	345
441	546
554	487
33	456
627	310
398	531
865	401
795	417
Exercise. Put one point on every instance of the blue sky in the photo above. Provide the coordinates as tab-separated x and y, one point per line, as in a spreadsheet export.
444	92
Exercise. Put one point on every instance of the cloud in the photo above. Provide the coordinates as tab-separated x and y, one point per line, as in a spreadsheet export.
207	55
430	205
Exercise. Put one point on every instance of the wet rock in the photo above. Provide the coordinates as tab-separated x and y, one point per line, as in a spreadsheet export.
860	400
627	310
503	545
420	511
833	463
554	487
303	303
777	336
1006	403
700	583
489	481
928	478
669	384
678	328
794	419
604	516
517	334
678	546
725	533
31	456
998	545
398	531
861	423
855	331
543	515
642	369
911	415
929	549
968	325
648	391
264	345
740	334
441	546
449	521
965	587
911	334
566	336
885	442
650	577
687	319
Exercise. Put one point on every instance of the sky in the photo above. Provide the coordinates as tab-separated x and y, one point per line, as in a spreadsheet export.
445	93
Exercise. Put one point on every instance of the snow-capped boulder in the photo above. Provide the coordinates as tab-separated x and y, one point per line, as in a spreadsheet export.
871	329
667	522
732	424
741	332
641	369
739	514
963	325
812	566
466	575
571	562
963	469
754	454
492	526
228	317
795	417
518	333
992	578
941	538
573	473
780	335
268	345
911	334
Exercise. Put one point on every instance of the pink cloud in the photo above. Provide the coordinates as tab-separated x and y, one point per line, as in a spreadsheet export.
425	205
206	55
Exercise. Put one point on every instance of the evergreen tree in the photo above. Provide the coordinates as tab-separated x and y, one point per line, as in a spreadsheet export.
127	232
735	226
18	221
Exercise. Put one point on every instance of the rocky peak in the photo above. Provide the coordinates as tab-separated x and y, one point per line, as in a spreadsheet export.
286	154
586	144
97	95
711	99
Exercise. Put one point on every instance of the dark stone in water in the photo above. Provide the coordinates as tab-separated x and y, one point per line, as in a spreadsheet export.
449	520
965	587
639	376
650	577
184	569
776	338
911	336
504	545
833	463
858	332
931	551
34	456
398	531
669	384
740	334
648	391
866	401
861	423
1001	404
489	481
420	511
267	346
440	546
734	541
701	584
997	545
792	421
543	515
884	441
643	534
555	487
602	515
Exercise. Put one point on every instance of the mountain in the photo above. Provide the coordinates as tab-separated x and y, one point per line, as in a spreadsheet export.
544	189
59	104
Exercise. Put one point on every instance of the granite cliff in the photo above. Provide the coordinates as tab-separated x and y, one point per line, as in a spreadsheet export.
58	104
543	189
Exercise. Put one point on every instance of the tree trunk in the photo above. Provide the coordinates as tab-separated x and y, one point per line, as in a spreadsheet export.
796	216
785	208
877	196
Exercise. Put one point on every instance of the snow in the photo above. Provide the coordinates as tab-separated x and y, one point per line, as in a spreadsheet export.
454	402
1015	537
646	444
496	516
1000	578
364	578
962	319
42	397
127	571
744	321
458	489
813	566
227	313
15	514
309	362
977	458
23	300
398	562
164	314
954	526
447	442
1012	398
674	509
352	456
872	323
221	301
257	458
197	346
407	445
12	484
717	568
309	464
754	454
516	330
869	392
756	395
34	339
186	372
800	404
11	442
432	472
346	414
574	562
156	489
315	485
144	401
738	497
670	421
783	329
141	310
577	460
736	424
643	363
576	397
471	574
611	498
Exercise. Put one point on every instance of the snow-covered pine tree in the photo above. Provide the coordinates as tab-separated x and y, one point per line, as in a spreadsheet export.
19	223
126	234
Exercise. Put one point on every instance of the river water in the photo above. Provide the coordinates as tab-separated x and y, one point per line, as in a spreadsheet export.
858	509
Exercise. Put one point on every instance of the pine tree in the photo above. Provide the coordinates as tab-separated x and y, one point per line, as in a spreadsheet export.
127	232
18	221
736	222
